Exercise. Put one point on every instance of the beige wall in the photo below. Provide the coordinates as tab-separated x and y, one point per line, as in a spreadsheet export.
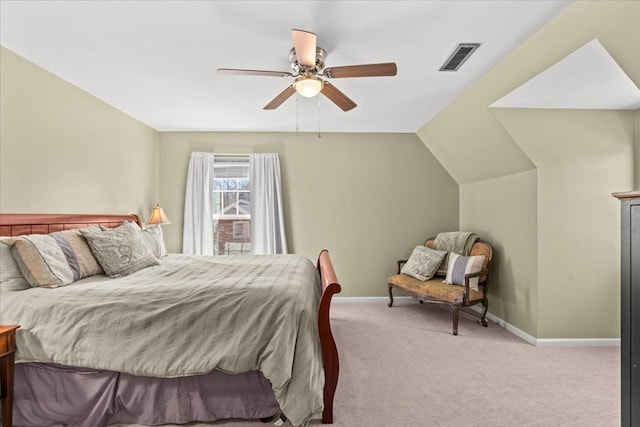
503	211
582	156
367	198
579	159
65	151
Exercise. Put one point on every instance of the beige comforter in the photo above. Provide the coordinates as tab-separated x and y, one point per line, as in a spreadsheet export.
187	316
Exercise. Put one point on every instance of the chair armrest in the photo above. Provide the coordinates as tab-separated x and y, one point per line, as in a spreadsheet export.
478	274
471	275
400	263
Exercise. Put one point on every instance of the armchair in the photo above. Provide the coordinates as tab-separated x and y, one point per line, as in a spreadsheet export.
455	296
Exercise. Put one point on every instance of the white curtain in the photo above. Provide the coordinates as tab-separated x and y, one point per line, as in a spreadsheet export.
267	215
197	236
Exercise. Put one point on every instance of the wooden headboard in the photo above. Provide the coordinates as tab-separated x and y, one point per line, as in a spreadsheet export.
18	224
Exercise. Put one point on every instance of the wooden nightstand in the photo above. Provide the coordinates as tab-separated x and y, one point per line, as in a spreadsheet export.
7	353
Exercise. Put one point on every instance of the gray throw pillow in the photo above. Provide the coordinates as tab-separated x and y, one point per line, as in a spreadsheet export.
120	251
423	263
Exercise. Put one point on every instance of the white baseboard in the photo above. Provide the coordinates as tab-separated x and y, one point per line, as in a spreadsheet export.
538	342
551	342
508	326
579	342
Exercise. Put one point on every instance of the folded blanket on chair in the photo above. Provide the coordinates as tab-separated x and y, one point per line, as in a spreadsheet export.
459	242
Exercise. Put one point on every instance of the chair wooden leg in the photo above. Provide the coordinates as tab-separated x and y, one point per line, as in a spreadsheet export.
483	318
390	297
456	315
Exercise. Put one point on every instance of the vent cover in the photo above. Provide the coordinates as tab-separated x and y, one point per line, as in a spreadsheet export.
459	56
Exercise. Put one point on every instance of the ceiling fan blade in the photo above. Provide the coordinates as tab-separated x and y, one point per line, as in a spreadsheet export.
282	96
305	45
239	72
365	70
337	97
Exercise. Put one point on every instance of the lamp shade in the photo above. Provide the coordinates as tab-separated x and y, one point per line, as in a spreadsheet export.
308	86
158	216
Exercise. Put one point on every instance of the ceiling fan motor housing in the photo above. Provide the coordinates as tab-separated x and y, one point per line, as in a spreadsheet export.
321	56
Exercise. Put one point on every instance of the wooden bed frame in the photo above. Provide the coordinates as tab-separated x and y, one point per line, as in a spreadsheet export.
19	224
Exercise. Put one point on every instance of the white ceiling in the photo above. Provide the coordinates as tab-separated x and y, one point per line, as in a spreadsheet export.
156	60
588	78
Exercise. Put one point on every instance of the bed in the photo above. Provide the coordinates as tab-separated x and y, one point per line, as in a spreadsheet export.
191	339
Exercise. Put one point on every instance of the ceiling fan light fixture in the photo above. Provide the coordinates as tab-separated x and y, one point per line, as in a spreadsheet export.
308	86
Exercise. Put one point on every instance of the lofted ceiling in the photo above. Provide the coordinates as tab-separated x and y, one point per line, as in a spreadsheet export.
156	60
588	78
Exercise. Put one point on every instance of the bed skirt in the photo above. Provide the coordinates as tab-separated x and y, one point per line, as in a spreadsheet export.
49	395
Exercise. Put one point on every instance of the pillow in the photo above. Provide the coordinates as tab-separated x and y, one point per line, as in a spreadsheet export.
423	263
120	251
8	267
55	259
11	277
154	238
460	265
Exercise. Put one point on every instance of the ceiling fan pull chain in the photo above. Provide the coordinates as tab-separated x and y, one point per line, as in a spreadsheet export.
297	108
318	98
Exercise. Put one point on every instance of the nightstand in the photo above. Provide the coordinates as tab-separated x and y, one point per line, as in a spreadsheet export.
7	357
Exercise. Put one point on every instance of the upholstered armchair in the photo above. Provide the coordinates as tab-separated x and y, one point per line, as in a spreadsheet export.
471	287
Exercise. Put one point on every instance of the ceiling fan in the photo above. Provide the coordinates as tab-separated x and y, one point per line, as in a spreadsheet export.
307	61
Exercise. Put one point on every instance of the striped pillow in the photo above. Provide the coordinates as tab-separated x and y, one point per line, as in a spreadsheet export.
55	259
460	265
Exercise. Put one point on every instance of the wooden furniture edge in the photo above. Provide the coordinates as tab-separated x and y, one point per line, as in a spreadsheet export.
629	338
627	195
330	286
15	224
7	361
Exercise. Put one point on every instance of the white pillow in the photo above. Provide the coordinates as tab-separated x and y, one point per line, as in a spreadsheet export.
460	265
423	263
154	238
10	275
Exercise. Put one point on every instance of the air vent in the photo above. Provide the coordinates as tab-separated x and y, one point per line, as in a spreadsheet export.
459	56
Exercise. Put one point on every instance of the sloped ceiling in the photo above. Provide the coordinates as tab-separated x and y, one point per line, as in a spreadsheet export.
588	78
466	136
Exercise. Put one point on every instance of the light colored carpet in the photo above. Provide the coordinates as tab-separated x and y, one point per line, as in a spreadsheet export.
401	366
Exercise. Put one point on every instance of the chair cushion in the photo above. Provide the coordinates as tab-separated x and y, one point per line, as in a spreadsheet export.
423	263
432	289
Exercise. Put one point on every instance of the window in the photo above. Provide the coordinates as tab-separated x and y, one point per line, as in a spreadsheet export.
231	204
231	198
241	230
